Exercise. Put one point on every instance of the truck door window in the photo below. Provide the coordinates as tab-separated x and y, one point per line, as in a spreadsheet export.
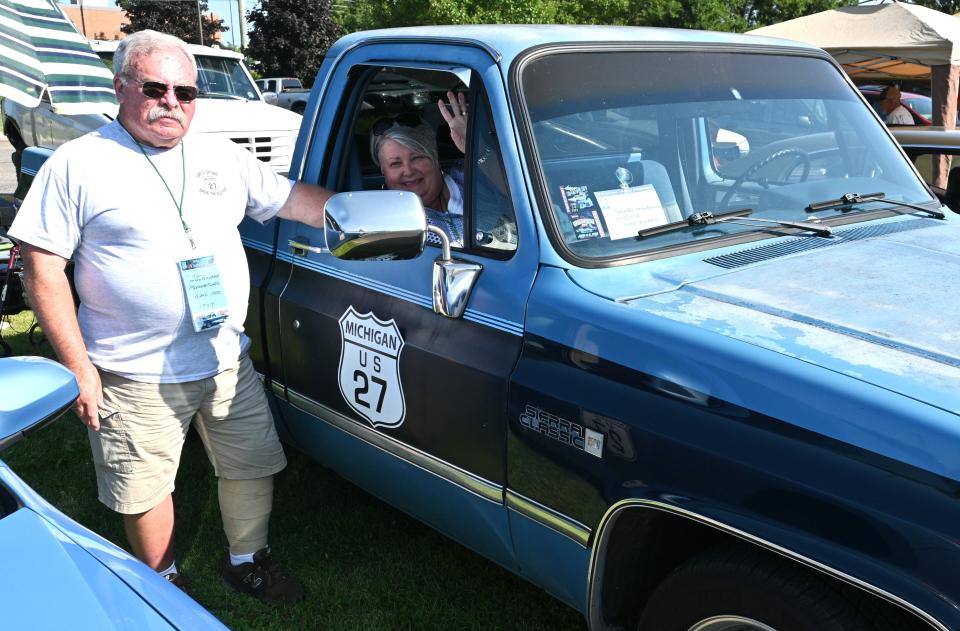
495	225
409	97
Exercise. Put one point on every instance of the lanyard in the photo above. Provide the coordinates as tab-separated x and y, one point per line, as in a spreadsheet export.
183	187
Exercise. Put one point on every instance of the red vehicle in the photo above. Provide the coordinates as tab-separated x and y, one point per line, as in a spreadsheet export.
919	105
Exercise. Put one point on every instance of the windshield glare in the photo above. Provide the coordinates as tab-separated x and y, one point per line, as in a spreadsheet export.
636	146
223	76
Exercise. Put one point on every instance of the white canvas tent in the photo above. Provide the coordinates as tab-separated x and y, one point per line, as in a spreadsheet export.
892	40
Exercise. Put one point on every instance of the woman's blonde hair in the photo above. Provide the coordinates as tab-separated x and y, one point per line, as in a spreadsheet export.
421	140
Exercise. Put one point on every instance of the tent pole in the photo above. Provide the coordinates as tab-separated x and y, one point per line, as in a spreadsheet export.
944	79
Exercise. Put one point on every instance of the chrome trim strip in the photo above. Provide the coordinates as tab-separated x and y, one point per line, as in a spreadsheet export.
594	608
470	482
356	279
471	315
253	244
558	522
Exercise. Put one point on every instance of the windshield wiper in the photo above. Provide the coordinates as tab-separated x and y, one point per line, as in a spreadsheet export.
850	199
708	218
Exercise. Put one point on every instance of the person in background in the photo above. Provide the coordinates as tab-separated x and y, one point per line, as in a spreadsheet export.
405	149
149	215
893	110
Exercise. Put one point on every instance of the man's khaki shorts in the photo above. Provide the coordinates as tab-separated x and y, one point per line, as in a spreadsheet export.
143	425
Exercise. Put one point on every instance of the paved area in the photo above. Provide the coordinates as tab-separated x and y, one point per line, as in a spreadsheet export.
8	183
8	178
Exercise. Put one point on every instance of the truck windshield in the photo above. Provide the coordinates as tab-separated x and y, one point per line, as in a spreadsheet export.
661	135
223	77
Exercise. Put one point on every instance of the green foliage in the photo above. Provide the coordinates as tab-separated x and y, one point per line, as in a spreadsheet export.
717	15
288	38
180	18
947	6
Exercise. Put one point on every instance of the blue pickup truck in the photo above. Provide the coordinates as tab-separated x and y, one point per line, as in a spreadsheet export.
693	364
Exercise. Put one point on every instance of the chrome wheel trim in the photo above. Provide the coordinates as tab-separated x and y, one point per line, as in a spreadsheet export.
730	623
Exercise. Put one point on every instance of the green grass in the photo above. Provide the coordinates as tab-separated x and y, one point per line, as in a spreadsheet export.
364	564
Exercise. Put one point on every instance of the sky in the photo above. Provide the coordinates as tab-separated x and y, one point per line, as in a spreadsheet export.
226	9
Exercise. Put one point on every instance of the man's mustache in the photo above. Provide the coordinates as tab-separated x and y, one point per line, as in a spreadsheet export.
158	112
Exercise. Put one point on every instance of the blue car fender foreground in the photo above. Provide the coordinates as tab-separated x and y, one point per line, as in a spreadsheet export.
56	573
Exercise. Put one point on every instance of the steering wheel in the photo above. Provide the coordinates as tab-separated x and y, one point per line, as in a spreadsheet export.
799	159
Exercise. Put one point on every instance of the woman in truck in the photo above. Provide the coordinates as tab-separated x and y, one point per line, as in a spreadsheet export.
405	149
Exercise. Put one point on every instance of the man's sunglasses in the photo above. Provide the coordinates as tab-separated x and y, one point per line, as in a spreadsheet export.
156	90
407	119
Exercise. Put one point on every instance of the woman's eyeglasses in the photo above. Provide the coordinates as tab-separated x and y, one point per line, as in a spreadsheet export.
407	119
156	90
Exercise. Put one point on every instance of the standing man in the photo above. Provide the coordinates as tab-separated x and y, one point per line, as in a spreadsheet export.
894	111
149	215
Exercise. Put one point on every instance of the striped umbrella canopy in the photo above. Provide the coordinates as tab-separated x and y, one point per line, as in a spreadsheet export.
40	48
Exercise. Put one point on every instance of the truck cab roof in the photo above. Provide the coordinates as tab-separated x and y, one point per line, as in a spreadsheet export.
511	39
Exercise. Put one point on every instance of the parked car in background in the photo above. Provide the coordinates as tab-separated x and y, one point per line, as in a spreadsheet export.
926	147
56	573
229	104
920	106
289	92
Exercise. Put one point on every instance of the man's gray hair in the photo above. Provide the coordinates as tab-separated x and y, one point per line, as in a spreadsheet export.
421	140
144	43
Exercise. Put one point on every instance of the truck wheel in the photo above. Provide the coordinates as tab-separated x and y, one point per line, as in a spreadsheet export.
728	591
299	107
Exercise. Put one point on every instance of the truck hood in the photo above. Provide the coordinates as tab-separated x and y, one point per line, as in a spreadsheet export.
231	115
876	303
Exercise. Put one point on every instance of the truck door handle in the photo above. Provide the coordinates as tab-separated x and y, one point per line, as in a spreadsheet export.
301	249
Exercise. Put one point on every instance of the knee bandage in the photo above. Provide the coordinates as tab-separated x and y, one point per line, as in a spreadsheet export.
245	507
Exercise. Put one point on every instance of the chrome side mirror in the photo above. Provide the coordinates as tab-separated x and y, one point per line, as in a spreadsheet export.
376	225
370	225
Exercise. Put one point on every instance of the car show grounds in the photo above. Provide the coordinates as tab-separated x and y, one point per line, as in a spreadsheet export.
364	564
8	181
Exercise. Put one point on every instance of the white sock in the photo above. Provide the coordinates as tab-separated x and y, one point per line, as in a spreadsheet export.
238	559
170	570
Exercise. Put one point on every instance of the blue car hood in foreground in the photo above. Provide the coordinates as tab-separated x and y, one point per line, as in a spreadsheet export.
56	584
877	304
59	575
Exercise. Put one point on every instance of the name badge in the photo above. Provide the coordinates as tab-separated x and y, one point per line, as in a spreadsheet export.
205	296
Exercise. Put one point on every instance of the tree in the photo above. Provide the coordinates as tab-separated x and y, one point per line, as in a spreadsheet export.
289	38
180	18
716	15
947	6
369	14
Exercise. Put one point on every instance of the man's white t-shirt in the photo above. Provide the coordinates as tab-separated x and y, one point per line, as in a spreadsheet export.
899	116
98	201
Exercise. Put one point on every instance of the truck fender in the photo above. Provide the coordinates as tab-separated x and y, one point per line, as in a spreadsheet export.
673	535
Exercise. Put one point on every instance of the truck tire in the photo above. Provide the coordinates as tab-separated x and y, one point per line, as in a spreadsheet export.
731	591
298	107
